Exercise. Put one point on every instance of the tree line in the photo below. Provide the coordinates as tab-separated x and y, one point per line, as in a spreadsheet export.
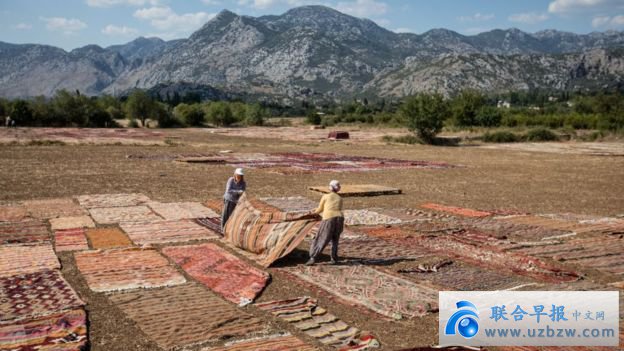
72	109
424	113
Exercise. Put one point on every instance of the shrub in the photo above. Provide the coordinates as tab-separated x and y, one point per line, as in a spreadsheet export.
541	134
219	113
191	115
312	117
500	137
466	106
255	115
425	114
488	116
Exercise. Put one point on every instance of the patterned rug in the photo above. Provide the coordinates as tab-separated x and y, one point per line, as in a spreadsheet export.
70	240
305	314
219	270
125	269
484	251
291	204
113	215
65	331
602	253
12	213
213	224
466	212
270	343
159	232
570	223
268	235
106	238
193	315
325	162
373	249
36	294
498	228
22	259
383	293
71	222
112	200
53	208
182	210
458	276
366	217
24	232
214	204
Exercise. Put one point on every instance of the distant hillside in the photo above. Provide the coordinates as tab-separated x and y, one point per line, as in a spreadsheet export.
315	51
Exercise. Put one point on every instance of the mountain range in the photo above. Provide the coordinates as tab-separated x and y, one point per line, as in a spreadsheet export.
315	52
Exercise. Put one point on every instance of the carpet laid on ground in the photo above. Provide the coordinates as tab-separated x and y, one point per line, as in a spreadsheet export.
214	204
53	208
220	271
602	253
107	238
112	200
268	235
373	249
367	217
269	343
485	251
71	222
291	204
466	212
66	331
159	232
570	224
23	232
305	314
12	213
27	296
380	292
213	224
181	210
193	315
112	215
301	162
22	259
70	240
458	276
124	269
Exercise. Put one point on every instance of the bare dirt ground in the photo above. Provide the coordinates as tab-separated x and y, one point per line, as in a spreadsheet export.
536	182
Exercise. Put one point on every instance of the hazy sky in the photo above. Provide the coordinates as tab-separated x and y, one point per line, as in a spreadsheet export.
74	23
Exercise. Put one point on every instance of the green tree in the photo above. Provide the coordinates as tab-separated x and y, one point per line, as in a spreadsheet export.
312	117
140	106
22	113
165	117
488	116
219	113
425	115
255	115
466	107
191	115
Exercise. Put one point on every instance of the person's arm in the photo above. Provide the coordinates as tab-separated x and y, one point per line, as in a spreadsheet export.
320	207
228	186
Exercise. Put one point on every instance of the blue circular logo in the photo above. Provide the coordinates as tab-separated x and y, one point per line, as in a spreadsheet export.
464	321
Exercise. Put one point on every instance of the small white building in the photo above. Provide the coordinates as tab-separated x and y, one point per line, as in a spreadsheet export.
503	104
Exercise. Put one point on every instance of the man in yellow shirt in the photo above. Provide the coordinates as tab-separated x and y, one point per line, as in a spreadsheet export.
330	209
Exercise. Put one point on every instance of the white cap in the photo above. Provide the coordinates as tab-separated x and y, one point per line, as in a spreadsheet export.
239	171
334	185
